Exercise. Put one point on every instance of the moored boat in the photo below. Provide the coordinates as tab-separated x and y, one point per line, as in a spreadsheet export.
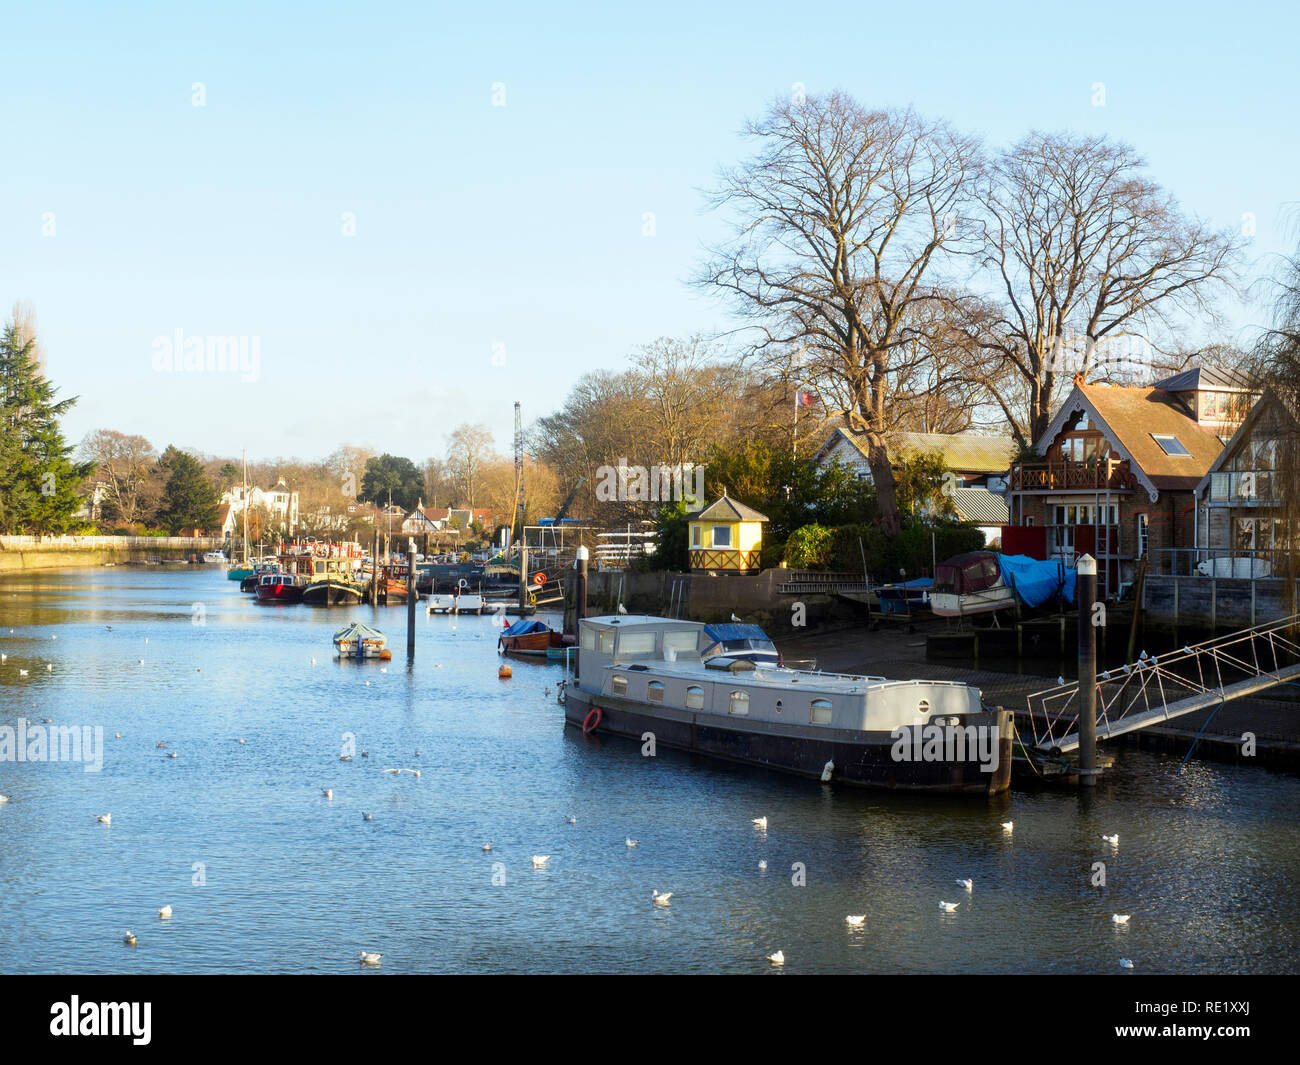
641	674
984	582
532	638
332	582
358	640
281	587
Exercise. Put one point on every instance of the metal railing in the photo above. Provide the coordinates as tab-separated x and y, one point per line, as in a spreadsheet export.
812	582
1159	688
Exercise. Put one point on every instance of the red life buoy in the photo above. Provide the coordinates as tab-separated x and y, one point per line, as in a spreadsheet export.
539	578
589	726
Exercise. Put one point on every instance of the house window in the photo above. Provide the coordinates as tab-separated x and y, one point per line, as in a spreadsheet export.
821	711
722	536
1143	534
1170	445
738	703
695	536
618	684
694	698
654	692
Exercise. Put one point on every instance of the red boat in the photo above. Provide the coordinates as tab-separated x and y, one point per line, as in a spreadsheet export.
281	587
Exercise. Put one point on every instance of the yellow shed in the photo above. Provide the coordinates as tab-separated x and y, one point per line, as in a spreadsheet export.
726	536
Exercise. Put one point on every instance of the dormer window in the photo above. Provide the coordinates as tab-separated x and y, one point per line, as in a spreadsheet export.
1170	445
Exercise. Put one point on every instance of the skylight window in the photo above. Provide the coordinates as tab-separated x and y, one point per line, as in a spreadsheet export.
1170	445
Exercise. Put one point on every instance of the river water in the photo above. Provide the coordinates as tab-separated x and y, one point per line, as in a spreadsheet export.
265	874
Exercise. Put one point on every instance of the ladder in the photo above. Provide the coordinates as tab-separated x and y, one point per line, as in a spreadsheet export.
1155	689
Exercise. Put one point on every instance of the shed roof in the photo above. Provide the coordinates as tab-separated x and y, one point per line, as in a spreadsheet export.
980	506
726	509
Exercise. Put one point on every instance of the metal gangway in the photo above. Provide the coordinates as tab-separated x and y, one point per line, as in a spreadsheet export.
1160	688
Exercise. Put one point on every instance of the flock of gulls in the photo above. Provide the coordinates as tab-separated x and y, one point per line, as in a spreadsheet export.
542	861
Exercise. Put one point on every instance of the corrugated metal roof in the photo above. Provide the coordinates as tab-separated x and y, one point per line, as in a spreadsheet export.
980	506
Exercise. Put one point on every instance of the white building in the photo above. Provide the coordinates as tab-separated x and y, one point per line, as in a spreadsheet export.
280	502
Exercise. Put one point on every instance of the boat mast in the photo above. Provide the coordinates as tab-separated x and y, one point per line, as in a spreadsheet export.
244	460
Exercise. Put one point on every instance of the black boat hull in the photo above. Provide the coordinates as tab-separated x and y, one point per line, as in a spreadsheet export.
332	593
861	759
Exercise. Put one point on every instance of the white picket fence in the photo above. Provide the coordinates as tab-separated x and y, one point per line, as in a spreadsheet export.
122	543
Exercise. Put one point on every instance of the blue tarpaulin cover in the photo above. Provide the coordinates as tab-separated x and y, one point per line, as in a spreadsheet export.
1037	582
522	627
724	632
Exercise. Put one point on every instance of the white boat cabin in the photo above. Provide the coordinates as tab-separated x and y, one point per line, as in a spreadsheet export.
656	661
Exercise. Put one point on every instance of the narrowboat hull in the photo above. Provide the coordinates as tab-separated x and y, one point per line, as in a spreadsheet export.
862	759
333	592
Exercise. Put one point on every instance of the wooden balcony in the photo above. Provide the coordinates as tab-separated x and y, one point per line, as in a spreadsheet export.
1062	476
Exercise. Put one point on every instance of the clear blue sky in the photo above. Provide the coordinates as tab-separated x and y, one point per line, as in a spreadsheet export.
519	225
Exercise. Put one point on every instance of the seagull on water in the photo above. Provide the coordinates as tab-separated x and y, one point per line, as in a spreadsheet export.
540	860
165	912
161	744
117	735
242	740
173	754
631	842
4	798
660	900
949	907
327	792
761	822
1008	826
776	959
344	757
22	672
1112	840
398	772
369	958
762	864
969	885
488	845
1120	918
856	920
367	817
1126	963
104	819
129	939
573	820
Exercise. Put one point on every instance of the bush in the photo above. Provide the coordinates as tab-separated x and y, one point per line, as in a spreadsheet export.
852	542
809	547
772	553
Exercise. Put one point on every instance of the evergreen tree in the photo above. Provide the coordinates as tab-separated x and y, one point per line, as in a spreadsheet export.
189	501
38	479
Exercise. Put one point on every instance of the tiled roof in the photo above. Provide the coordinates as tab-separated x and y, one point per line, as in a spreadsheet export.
1133	415
980	506
726	509
1199	377
962	452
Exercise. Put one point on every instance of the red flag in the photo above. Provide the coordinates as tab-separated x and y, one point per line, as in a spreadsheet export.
806	399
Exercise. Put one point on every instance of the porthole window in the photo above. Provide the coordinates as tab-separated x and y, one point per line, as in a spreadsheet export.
694	698
821	711
923	707
618	684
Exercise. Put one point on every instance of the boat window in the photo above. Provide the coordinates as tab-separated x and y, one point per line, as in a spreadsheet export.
636	643
821	711
738	703
654	692
923	707
588	638
605	641
681	640
618	684
694	698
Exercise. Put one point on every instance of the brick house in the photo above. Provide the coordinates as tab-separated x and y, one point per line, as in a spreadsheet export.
1118	473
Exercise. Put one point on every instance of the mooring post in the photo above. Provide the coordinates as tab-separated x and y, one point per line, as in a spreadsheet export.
410	600
1086	593
523	575
579	602
374	571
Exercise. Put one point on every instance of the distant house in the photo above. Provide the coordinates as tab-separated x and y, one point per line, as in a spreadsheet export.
978	463
280	502
975	459
1243	527
726	536
1117	478
434	519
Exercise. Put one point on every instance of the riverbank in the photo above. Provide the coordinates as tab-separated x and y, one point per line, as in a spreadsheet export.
25	553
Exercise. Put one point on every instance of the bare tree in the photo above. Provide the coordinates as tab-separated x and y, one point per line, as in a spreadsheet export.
1089	259
469	448
838	222
126	466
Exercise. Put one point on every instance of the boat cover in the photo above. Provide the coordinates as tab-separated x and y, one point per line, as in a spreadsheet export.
722	633
358	631
1037	582
523	627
